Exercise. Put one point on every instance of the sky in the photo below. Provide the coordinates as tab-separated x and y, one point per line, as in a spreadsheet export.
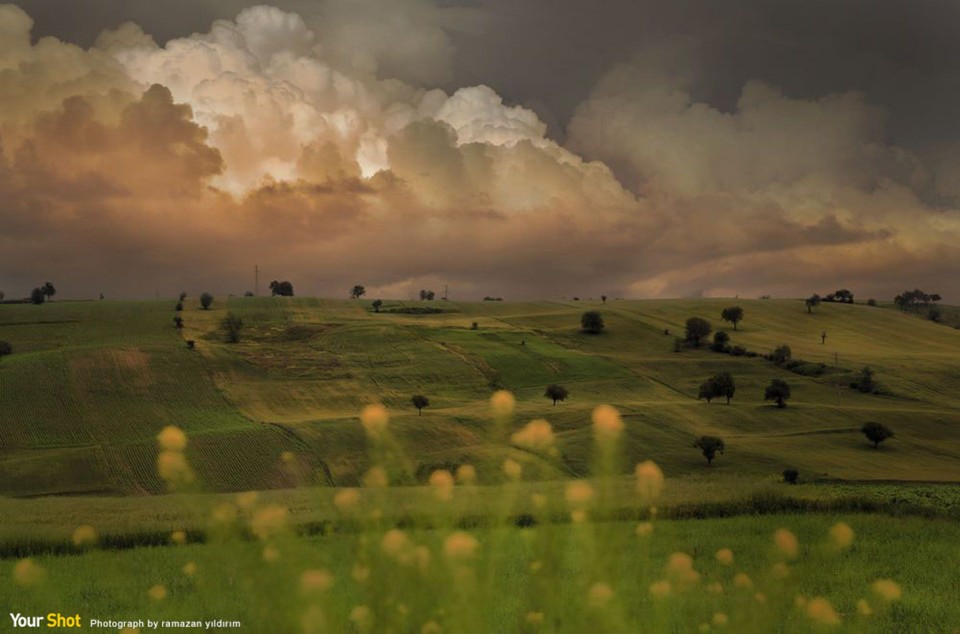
521	149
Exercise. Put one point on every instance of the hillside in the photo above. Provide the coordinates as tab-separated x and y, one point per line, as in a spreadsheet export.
91	383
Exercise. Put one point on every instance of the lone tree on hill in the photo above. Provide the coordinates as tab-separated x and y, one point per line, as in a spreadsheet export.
709	446
813	300
603	298
733	315
281	289
37	296
377	303
697	329
206	299
556	393
49	291
357	292
779	391
592	322
420	401
876	433
721	341
5	348
232	324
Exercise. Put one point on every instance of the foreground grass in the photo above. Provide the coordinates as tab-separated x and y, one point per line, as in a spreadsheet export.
541	578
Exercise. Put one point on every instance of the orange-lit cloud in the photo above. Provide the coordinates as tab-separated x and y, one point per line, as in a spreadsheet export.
131	166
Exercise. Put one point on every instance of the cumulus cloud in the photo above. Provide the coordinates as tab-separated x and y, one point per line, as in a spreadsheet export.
321	150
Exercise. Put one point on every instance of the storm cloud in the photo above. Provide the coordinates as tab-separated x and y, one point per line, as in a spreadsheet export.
394	144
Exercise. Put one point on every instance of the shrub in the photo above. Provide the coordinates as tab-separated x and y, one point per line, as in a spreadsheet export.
206	300
697	329
791	476
876	433
781	354
556	393
864	381
232	324
871	302
178	322
419	401
5	348
720	342
178	307
191	344
591	322
779	391
709	446
738	351
474	325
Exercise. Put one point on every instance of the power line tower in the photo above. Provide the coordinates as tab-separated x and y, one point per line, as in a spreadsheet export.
256	280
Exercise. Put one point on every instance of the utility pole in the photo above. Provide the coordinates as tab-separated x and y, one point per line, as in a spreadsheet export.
444	292
256	280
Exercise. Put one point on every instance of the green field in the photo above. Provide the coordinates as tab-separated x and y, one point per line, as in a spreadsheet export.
91	384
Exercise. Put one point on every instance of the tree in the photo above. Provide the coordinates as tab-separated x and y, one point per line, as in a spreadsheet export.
206	299
933	313
603	298
420	401
178	322
876	433
724	385
720	341
281	289
556	393
377	303
357	292
707	391
709	446
813	300
178	307
5	348
426	295
2	295
232	324
779	391
49	290
781	354
864	381
732	314
791	476
697	329
37	296
591	322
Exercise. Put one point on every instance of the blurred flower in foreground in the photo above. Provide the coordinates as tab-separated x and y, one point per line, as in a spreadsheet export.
644	529
178	537
27	573
375	478
725	556
157	593
172	438
537	435
660	589
269	521
502	403
820	611
607	425
786	543
599	595
345	499
270	554
649	481
430	627
887	589
247	500
190	569
863	608
442	483
173	467
466	474
395	542
742	580
460	545
374	419
84	536
361	617
534	618
841	536
720	619
513	469
679	570
315	581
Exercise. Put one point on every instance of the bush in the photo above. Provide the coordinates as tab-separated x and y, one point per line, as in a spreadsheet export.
5	348
871	302
864	381
698	329
206	300
191	344
737	351
780	355
779	391
876	433
791	476
591	322
556	393
474	325
232	324
720	342
178	307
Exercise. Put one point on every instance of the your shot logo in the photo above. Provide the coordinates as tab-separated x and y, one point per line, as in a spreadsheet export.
53	619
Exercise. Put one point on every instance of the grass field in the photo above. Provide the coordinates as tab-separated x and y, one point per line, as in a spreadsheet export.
91	384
